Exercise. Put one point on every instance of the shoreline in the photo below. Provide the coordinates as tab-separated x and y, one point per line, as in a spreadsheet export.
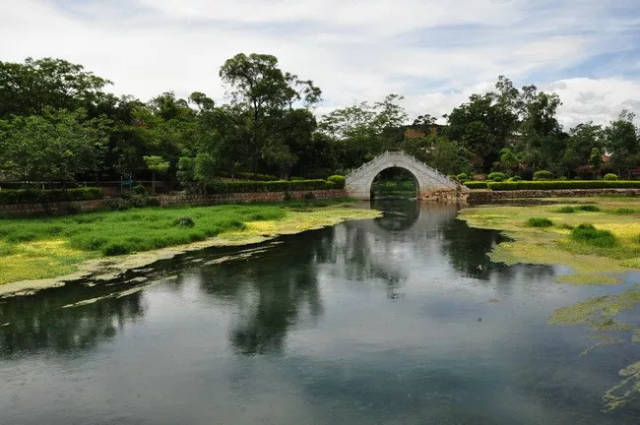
108	268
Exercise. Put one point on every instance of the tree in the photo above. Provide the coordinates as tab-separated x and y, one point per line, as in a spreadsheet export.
362	131
55	146
509	161
486	123
623	144
35	85
580	145
262	89
156	164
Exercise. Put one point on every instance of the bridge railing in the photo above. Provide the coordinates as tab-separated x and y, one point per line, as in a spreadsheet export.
418	164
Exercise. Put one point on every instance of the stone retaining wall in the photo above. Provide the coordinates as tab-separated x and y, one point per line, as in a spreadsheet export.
62	208
485	196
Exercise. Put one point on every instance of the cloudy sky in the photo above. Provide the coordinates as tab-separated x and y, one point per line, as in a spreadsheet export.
435	53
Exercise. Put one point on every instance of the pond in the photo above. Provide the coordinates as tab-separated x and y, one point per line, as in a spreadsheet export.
396	320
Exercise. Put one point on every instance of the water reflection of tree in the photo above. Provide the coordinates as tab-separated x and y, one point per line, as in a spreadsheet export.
40	323
468	249
271	292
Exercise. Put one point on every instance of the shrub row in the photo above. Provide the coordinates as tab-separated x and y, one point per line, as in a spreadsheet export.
269	186
556	184
248	176
476	184
35	196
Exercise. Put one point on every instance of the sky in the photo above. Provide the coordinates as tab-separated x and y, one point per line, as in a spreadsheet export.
434	53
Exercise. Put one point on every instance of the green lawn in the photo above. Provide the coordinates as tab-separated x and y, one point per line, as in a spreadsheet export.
32	248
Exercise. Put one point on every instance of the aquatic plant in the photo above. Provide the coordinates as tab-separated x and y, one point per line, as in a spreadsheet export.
539	222
596	237
566	209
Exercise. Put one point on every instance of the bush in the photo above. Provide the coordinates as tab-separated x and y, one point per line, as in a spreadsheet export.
624	211
184	222
139	190
38	196
497	176
462	177
539	222
610	176
542	175
115	249
590	208
475	185
266	186
588	234
337	180
566	210
248	176
568	184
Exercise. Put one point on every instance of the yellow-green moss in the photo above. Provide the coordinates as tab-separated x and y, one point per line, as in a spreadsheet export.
49	257
552	245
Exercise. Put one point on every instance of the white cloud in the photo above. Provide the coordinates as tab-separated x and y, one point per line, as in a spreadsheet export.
432	52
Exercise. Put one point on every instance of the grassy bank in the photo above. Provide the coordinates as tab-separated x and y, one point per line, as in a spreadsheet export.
596	236
36	248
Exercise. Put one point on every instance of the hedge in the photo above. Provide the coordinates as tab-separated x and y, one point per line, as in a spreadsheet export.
476	185
248	176
337	181
564	184
38	196
267	186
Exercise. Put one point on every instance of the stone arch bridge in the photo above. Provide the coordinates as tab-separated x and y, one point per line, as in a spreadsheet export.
432	185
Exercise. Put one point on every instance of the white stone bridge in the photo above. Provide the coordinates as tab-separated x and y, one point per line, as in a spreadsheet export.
432	185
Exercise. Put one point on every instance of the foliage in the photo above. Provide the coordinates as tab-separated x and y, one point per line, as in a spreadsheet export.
539	222
589	234
40	248
542	175
610	176
37	196
268	186
57	123
564	184
55	146
476	184
337	181
496	176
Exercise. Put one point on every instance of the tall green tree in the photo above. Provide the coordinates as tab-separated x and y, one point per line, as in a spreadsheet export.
622	141
55	146
263	90
37	84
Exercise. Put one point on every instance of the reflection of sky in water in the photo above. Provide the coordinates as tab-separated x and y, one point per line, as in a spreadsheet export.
367	322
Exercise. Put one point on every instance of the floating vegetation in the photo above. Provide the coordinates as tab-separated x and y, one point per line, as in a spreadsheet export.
589	234
607	242
588	279
539	222
600	314
624	391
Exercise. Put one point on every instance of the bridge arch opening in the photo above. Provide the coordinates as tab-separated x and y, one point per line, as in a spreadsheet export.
432	185
394	183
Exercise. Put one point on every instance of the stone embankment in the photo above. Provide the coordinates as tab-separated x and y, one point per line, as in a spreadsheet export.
61	208
478	196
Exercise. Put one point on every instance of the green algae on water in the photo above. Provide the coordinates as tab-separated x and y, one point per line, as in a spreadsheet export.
598	313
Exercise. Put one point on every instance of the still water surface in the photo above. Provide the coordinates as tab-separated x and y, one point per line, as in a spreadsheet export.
398	320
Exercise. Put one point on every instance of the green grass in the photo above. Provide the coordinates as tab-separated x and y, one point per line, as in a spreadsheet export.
539	222
33	248
121	232
609	243
588	234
